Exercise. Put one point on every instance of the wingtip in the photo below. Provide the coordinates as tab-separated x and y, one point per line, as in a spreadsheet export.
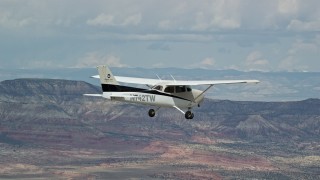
253	81
95	76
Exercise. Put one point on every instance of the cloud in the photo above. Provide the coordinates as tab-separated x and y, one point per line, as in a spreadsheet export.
109	20
39	64
206	63
255	58
93	59
288	64
209	61
194	29
8	21
299	54
175	15
255	61
102	20
134	20
165	24
288	6
224	50
216	15
317	39
160	37
300	46
159	46
291	63
158	65
298	25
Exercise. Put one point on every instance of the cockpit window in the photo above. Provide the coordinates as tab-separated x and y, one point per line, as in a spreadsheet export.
189	89
169	89
158	88
180	89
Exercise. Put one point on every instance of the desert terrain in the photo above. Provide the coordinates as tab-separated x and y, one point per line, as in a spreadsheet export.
49	130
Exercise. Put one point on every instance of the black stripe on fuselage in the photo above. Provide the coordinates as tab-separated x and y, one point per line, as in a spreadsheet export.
119	88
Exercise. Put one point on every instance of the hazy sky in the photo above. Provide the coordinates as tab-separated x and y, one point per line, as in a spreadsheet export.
270	35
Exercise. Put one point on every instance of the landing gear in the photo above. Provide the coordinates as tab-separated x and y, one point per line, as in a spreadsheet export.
152	113
189	115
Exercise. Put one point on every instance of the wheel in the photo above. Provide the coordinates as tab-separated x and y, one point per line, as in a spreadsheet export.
192	115
152	113
189	115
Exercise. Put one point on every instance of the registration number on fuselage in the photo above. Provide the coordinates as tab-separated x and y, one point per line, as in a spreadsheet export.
143	98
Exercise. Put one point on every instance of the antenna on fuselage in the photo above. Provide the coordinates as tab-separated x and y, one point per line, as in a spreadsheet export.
173	78
158	77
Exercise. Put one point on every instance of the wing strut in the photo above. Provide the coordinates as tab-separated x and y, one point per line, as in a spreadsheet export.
203	92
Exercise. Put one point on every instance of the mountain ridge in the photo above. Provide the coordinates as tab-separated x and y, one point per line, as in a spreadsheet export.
66	98
45	123
274	86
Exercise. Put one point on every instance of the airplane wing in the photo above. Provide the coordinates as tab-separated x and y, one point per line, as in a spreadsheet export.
209	82
153	82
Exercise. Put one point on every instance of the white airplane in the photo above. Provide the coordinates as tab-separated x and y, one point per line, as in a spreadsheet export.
161	93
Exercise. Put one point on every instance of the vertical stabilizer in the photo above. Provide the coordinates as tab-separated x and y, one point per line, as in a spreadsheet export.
106	76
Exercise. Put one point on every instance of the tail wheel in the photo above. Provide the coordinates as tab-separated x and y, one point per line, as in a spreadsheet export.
189	115
152	113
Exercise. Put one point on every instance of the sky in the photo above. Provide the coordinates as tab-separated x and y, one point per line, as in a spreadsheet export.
246	35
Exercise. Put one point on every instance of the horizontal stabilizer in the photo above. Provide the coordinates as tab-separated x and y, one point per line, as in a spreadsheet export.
95	95
117	98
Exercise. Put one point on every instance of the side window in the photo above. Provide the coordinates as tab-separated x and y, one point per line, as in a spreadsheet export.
189	89
169	89
180	89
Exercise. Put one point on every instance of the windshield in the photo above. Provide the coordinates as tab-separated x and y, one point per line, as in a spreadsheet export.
159	88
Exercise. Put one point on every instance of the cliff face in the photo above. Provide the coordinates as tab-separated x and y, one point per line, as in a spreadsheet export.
266	120
35	88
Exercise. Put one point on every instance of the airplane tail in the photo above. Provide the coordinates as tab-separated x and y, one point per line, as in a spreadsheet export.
106	76
108	81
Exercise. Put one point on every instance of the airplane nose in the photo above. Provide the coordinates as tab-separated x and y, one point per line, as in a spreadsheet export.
198	95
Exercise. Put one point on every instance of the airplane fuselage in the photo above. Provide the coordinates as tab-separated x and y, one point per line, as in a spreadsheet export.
158	98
